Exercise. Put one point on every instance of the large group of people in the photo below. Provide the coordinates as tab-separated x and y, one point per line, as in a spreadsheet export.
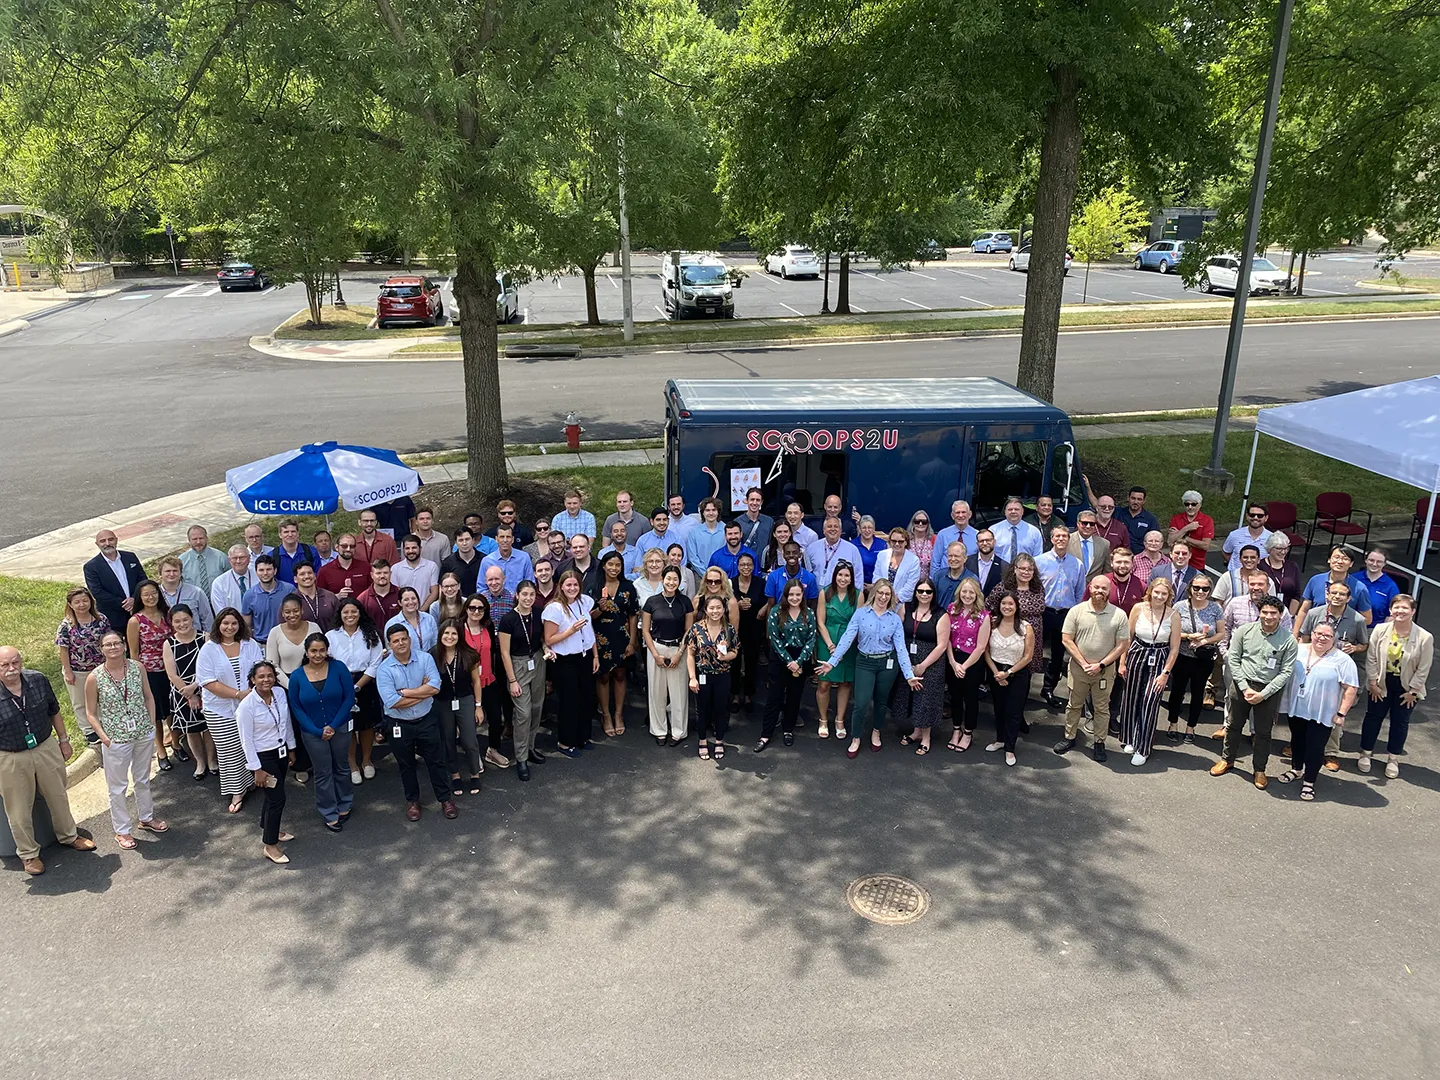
263	666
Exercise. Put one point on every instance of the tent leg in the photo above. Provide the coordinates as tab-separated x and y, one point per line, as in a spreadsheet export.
1425	537
1249	475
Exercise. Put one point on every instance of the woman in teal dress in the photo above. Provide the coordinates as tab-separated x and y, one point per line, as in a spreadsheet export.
837	604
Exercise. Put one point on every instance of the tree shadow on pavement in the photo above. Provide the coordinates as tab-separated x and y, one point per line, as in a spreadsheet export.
633	832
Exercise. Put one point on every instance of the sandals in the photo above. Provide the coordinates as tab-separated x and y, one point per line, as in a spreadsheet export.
824	731
704	750
619	729
1307	792
905	740
475	785
719	751
840	732
235	807
1289	776
154	825
457	786
921	750
608	726
126	842
163	764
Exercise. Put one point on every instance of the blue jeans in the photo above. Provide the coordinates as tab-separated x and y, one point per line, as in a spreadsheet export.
330	763
1375	714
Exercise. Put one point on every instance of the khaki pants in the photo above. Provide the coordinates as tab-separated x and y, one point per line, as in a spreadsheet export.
669	686
1081	685
22	773
124	762
528	704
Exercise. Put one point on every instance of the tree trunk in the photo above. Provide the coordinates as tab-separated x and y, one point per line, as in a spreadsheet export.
842	288
1300	284
312	300
1054	200
1290	271
475	294
592	309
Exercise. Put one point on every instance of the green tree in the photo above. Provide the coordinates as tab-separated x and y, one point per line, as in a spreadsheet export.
1108	221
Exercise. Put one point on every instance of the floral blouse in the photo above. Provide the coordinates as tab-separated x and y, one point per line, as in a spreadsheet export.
707	647
83	642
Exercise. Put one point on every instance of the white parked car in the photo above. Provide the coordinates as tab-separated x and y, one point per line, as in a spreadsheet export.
507	300
1222	274
792	260
1020	260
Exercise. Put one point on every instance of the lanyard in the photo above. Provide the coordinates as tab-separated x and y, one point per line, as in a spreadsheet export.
123	686
525	628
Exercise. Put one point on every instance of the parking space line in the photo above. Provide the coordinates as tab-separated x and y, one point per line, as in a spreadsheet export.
660	309
762	275
1151	295
912	303
861	310
615	285
973	300
136	296
866	273
917	273
185	290
268	289
211	291
965	273
787	307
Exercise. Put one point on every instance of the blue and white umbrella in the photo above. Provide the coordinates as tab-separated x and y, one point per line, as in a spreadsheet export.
320	478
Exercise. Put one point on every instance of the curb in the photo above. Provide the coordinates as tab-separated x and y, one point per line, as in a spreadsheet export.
14	326
84	764
288	348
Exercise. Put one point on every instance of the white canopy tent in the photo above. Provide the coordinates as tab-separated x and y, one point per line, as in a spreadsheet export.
1390	430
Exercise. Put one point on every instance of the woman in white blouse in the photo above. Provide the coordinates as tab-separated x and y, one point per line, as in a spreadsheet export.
1321	691
263	721
570	634
356	644
222	670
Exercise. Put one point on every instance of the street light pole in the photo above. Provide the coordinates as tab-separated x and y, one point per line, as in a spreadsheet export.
825	297
1215	474
339	292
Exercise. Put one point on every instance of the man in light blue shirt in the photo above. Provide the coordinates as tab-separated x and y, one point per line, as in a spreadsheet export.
826	553
755	527
706	538
961	530
515	563
1064	581
1015	535
659	535
681	523
408	680
619	543
261	605
572	519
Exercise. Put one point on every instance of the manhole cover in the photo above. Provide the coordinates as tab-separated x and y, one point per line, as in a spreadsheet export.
888	899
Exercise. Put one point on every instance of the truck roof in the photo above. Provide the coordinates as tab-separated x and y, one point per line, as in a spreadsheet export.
858	400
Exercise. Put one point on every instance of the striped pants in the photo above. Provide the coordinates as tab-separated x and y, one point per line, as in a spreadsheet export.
1140	707
235	778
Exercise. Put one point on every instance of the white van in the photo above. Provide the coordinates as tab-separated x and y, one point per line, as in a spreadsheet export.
695	284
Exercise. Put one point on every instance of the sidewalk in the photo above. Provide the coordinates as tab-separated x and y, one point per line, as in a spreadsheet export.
155	528
376	350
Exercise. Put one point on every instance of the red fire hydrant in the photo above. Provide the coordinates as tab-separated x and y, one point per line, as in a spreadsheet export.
572	430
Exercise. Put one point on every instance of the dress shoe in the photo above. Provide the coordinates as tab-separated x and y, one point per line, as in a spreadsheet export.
852	753
82	843
1333	764
522	769
788	738
1262	781
1099	753
1218	733
412	811
536	758
1221	767
1064	746
34	867
449	809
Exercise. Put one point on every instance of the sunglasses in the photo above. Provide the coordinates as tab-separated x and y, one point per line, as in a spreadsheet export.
475	607
1192	504
924	592
1199	588
920	521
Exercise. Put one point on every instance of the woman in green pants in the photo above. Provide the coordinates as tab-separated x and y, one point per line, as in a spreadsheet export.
880	637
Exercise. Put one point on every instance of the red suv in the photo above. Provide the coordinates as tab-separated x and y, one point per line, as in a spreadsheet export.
409	299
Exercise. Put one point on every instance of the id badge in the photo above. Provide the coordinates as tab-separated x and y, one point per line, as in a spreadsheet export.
702	678
1102	684
530	664
395	731
1270	663
455	704
30	741
889	662
914	648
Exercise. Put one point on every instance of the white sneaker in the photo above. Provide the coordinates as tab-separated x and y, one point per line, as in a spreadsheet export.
992	747
1128	748
1138	759
1392	769
369	772
1363	763
354	776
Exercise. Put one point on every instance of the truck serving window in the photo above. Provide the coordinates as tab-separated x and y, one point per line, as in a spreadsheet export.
803	478
1004	469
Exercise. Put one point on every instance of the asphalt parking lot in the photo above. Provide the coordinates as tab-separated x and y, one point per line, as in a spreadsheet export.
962	281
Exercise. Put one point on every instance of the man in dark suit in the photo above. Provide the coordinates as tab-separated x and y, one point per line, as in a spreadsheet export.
1087	545
112	576
988	567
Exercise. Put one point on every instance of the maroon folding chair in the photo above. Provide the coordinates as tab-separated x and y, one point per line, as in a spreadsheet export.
1417	526
1282	517
1335	514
